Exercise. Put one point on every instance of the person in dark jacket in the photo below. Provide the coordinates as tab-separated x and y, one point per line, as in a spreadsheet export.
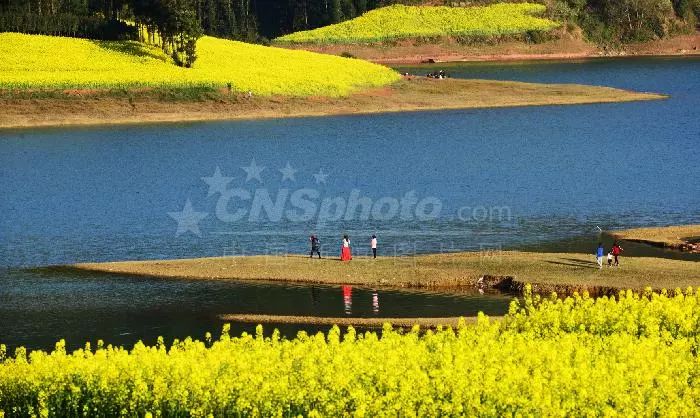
315	246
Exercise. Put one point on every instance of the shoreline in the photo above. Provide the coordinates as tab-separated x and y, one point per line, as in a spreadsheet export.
408	95
510	271
572	57
569	47
682	238
429	323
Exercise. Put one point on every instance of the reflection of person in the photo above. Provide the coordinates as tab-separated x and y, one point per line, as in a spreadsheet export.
616	251
345	252
315	297
375	302
315	246
599	254
347	299
373	244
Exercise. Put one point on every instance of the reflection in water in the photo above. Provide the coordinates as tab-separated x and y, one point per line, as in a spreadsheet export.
347	299
315	297
375	302
122	310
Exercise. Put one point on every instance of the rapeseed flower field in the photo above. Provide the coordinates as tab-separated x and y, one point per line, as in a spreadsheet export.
632	355
398	21
48	62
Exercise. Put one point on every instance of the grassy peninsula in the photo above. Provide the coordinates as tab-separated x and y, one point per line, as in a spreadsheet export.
561	272
680	237
55	81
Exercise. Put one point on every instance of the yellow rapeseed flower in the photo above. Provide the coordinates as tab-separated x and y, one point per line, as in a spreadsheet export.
49	62
398	21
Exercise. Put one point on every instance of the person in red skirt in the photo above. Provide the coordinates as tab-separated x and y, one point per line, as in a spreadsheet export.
345	252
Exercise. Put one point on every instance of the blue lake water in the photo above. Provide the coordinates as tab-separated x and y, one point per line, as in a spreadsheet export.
423	182
502	177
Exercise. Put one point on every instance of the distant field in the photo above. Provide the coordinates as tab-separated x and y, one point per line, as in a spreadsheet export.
397	22
46	62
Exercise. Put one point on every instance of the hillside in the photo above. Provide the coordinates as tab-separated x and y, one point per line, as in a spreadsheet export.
502	31
401	22
50	81
45	62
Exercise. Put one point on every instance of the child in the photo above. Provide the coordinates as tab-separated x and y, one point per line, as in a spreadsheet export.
610	259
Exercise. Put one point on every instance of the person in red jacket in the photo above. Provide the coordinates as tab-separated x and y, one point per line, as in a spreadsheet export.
616	251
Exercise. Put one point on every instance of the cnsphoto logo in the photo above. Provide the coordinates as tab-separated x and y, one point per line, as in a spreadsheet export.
299	197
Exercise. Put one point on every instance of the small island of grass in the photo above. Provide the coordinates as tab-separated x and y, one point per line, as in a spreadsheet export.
679	237
510	270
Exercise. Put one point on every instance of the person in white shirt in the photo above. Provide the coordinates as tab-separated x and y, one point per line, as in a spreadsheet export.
345	251
373	244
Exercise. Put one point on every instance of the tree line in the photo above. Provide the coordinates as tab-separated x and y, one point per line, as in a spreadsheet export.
618	21
176	24
250	20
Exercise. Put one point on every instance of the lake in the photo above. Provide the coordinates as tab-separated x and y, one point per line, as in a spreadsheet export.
437	181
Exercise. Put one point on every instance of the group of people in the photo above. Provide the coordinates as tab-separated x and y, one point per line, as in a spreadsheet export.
345	248
437	74
613	255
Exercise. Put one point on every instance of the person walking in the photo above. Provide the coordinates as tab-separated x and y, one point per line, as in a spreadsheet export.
315	246
373	244
345	251
599	255
616	251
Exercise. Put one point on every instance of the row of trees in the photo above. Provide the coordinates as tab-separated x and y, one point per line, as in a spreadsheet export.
234	19
83	18
176	24
621	21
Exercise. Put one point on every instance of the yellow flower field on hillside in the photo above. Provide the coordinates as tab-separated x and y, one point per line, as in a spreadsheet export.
395	22
47	62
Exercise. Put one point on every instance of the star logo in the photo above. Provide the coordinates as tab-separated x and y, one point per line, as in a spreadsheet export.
288	172
253	171
188	219
320	177
217	183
